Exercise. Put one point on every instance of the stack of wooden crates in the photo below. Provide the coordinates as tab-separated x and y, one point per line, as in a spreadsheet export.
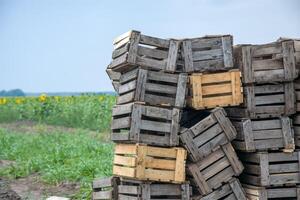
265	136
174	139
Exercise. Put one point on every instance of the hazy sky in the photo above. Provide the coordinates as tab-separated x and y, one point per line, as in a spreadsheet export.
65	45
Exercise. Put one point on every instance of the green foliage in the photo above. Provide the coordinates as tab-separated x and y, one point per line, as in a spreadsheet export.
85	111
57	156
12	93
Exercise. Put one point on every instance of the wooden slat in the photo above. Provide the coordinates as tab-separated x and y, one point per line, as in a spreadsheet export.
125	149
125	160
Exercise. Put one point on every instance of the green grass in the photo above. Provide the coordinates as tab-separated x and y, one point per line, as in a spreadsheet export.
86	111
57	156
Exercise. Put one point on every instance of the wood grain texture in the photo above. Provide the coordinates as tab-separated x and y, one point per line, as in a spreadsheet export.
152	163
213	90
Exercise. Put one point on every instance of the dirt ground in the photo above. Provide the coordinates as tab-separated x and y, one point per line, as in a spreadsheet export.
31	187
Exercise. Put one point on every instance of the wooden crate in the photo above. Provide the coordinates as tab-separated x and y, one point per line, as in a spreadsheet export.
208	134
232	190
150	163
213	90
277	193
262	135
208	54
154	88
105	188
217	168
270	169
140	190
266	63
133	49
264	101
135	122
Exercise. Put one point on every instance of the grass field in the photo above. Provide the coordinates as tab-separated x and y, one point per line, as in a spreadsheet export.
86	111
57	153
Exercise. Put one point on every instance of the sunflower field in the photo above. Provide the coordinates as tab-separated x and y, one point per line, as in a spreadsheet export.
84	111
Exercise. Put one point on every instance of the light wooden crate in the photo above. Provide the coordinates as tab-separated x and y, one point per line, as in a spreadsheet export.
105	188
208	54
134	49
141	190
218	168
213	90
153	88
232	190
270	168
267	63
150	163
275	193
135	122
262	135
267	100
204	137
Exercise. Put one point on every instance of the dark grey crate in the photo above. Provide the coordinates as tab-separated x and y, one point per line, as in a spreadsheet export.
208	134
264	134
152	125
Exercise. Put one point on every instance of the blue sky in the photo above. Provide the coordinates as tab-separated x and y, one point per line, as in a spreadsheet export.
65	45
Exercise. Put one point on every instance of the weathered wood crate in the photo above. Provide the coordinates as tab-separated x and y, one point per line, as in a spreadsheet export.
262	135
264	101
277	193
150	163
266	63
208	134
140	190
133	49
213	90
105	188
232	190
154	88
270	169
135	122
212	171
208	54
296	126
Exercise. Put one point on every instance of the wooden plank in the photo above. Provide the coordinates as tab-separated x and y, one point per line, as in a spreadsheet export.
289	60
172	56
124	171
125	149
153	53
227	52
121	123
141	85
247	65
233	159
181	90
187	55
153	41
207	54
122	160
179	165
136	117
288	136
175	125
